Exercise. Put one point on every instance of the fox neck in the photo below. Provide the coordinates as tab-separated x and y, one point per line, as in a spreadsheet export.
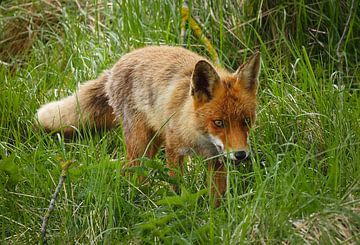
190	134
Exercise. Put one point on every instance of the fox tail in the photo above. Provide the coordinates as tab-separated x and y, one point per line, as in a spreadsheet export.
88	106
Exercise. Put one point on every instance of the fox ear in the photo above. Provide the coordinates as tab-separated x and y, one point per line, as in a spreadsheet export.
248	73
203	81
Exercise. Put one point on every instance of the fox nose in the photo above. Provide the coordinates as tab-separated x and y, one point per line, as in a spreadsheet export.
240	155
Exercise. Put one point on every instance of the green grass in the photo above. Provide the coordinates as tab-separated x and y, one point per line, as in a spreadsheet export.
307	133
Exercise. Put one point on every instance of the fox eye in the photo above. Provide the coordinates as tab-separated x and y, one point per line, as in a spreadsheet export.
219	123
247	121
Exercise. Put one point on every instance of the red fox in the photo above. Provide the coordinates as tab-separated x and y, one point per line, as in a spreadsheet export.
167	96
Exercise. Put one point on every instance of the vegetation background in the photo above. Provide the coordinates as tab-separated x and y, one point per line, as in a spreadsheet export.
303	183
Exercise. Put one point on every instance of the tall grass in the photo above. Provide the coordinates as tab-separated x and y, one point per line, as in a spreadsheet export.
302	185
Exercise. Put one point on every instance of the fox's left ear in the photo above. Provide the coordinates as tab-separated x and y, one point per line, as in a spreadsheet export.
248	73
204	81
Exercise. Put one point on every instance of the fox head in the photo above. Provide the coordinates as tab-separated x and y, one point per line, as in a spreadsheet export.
225	105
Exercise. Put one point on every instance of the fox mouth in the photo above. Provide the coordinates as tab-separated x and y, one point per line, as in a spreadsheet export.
237	161
237	156
229	156
219	149
243	161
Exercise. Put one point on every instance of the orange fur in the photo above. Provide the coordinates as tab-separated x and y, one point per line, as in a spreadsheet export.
173	93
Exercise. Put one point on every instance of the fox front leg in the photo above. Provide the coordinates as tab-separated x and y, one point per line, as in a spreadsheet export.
175	163
217	178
